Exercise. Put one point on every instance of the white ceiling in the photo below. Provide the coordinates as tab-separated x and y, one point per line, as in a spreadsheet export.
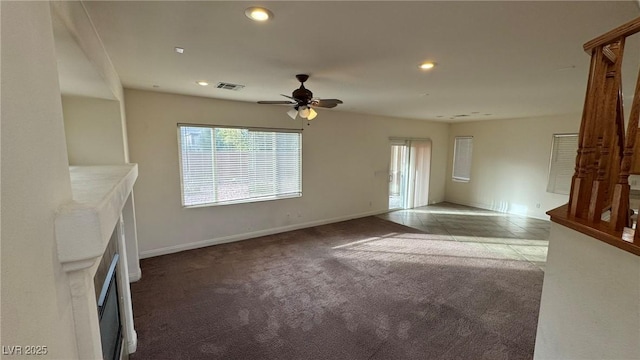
509	59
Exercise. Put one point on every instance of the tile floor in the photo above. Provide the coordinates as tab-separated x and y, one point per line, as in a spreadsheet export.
508	236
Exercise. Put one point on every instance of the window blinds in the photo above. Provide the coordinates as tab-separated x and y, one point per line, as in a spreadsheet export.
563	163
221	165
462	150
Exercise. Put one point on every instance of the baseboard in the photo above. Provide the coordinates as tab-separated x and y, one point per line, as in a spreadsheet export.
487	207
135	275
251	235
545	218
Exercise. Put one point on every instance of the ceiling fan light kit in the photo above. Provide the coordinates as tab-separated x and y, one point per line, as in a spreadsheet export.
312	114
292	113
304	112
303	101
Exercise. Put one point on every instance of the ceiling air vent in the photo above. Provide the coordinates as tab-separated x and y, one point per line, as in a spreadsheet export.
229	86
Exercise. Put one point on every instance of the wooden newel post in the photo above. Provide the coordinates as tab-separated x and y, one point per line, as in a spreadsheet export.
582	181
578	180
607	152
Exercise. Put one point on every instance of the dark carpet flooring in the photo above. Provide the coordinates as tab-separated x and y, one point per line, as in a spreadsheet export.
359	289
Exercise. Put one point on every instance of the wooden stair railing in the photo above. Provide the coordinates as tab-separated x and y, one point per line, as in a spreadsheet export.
606	151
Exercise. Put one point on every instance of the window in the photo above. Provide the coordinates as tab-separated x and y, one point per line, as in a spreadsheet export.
462	158
563	163
225	165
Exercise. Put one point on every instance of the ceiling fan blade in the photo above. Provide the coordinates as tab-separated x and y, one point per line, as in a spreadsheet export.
290	97
277	102
297	101
326	103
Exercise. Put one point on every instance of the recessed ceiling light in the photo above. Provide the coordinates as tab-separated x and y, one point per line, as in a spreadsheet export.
179	50
202	83
258	14
427	65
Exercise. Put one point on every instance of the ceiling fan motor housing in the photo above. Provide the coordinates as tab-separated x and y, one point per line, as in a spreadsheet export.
302	94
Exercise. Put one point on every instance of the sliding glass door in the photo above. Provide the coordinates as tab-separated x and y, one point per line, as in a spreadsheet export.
398	178
409	173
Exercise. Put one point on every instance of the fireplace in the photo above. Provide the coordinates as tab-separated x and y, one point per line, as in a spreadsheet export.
109	314
90	235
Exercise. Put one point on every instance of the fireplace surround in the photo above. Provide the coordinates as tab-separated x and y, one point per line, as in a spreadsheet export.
84	228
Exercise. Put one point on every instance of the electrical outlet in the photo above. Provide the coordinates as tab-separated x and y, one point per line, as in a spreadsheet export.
538	205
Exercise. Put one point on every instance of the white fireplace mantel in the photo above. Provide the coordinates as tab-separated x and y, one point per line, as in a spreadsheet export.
84	227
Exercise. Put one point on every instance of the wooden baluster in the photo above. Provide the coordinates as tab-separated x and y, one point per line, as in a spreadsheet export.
620	201
617	148
582	180
633	123
605	115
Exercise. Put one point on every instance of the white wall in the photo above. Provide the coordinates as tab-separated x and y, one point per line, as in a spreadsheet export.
93	105
345	169
79	26
75	18
36	304
590	307
93	129
510	164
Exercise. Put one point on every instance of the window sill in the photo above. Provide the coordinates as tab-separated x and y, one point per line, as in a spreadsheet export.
244	201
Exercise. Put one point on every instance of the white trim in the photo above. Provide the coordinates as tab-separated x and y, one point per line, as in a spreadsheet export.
254	234
132	344
135	275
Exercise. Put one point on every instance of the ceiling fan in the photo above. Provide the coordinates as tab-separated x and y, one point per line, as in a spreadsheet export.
303	101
